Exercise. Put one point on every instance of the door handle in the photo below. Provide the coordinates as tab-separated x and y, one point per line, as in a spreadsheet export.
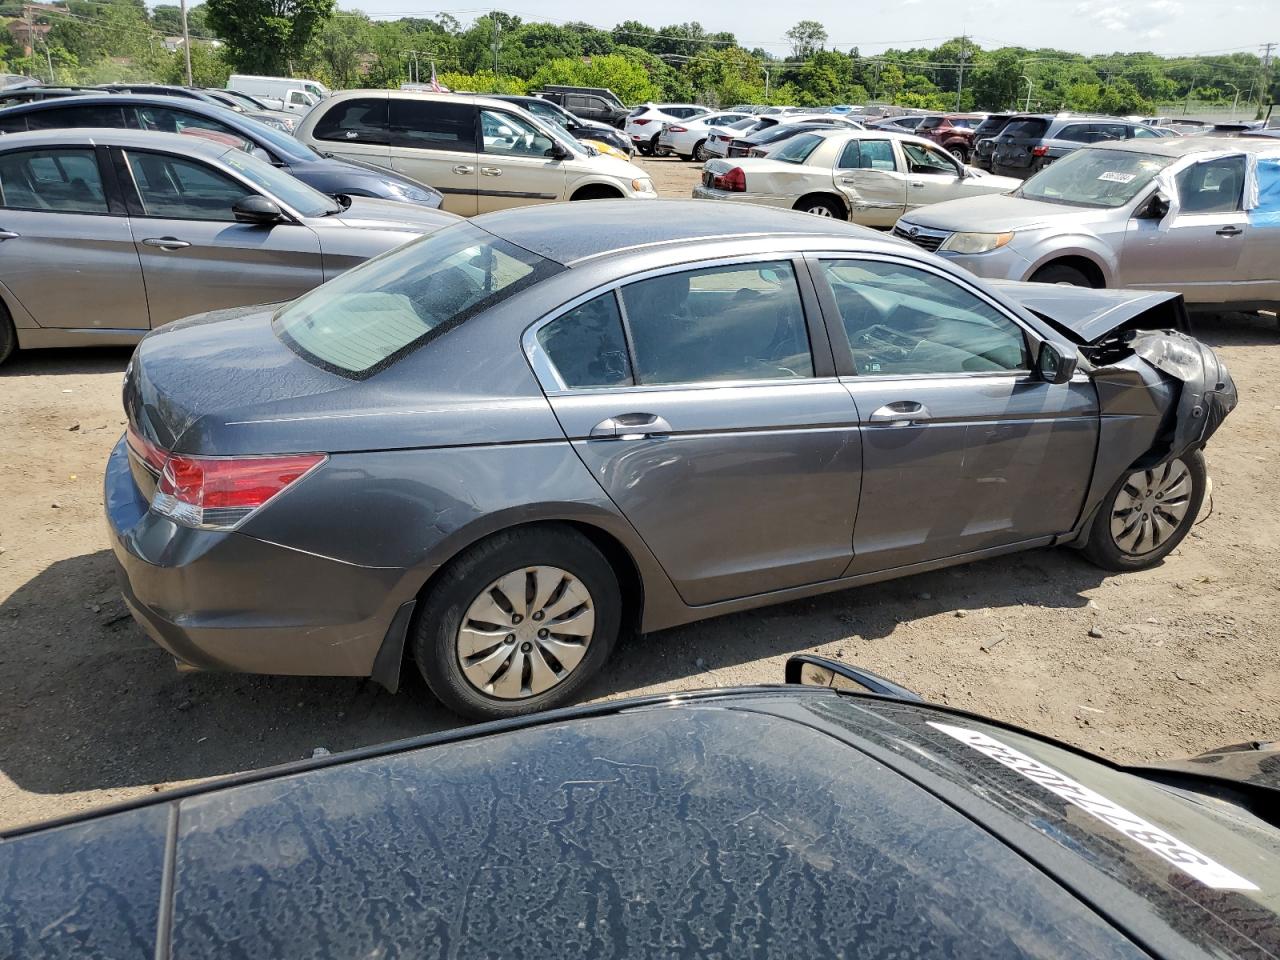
916	183
848	180
166	243
1230	232
491	171
630	426
902	413
462	168
9	235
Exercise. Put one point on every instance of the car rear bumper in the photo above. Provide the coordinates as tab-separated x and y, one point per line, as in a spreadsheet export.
770	200
221	600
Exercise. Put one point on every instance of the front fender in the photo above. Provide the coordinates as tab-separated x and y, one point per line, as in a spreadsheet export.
1057	246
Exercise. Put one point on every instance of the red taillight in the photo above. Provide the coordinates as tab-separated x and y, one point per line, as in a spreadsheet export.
639	123
677	129
1039	151
146	451
220	492
735	181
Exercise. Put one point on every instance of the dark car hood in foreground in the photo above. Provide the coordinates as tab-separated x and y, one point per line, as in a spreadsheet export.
767	823
1087	315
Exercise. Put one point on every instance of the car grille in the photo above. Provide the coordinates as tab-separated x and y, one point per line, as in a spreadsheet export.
927	239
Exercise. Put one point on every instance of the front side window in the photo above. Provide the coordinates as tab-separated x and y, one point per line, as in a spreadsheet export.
177	189
433	125
739	322
505	134
61	181
1214	186
372	315
362	120
587	346
922	159
901	320
1144	133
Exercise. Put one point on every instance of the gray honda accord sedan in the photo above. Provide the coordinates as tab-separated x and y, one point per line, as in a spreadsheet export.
495	450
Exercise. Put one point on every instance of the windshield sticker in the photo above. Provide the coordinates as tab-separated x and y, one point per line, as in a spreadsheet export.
1112	176
1161	843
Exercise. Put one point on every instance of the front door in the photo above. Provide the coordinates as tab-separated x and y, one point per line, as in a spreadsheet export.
712	424
1196	250
66	252
434	142
933	175
964	448
516	166
868	177
196	257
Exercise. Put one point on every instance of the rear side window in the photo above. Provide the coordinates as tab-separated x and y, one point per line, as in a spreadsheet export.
167	120
1102	132
372	315
1026	129
363	120
61	181
587	346
66	117
16	124
739	322
876	155
433	125
1077	133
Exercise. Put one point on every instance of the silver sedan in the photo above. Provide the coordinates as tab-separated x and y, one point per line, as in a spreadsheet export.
106	234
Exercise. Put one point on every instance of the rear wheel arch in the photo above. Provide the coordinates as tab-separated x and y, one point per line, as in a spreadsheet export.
8	332
812	200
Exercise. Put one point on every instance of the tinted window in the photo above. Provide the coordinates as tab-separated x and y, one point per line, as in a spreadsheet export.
741	322
1102	132
1077	132
183	189
505	134
574	103
16	124
587	345
65	181
85	116
1026	129
991	126
180	121
433	125
1214	186
355	121
902	320
928	123
377	312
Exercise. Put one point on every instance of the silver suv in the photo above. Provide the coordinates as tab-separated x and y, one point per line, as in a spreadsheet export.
1194	216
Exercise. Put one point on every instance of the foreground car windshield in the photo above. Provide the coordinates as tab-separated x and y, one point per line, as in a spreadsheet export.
371	316
306	200
1094	178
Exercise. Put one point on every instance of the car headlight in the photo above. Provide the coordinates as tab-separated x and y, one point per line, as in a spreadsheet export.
411	193
975	242
642	185
285	125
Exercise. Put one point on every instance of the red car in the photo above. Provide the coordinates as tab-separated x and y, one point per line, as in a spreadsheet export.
953	132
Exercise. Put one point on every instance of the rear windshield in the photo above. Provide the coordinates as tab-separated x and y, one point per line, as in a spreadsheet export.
1094	178
797	149
373	315
1028	129
991	126
928	123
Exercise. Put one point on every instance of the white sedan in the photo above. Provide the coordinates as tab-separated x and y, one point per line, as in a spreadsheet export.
688	138
871	177
646	122
719	137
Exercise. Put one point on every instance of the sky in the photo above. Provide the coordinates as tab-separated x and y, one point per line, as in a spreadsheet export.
1167	27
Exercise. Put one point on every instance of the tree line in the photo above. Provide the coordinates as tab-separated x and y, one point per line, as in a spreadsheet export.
500	52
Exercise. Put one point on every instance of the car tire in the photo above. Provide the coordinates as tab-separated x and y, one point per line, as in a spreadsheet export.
440	637
823	206
700	151
960	153
1162	504
655	148
1061	273
8	334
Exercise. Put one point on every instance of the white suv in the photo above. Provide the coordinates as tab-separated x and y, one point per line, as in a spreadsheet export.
646	122
481	154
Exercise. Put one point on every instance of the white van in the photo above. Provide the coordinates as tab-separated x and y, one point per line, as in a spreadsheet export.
482	154
279	88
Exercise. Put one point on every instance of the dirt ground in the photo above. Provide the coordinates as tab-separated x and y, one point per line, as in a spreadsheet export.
1186	657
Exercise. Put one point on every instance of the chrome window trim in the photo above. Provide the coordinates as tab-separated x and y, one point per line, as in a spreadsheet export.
547	375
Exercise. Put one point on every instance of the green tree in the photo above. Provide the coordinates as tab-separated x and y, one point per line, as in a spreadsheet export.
208	67
621	74
1122	97
266	36
806	37
995	80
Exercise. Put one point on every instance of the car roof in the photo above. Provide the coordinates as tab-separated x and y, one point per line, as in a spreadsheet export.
476	99
93	136
559	231
195	105
1188	146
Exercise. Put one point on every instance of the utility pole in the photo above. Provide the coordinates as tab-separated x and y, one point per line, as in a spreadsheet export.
1265	92
964	53
186	43
1027	108
49	60
493	14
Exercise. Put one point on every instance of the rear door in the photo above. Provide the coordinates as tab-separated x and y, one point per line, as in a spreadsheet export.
1196	250
195	256
703	401
356	129
66	252
434	142
964	448
1262	245
515	166
869	177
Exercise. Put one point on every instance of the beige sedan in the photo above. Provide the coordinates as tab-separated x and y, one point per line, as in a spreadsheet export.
871	177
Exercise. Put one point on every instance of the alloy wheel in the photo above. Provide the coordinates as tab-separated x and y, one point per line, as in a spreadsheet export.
526	632
700	152
1150	508
821	211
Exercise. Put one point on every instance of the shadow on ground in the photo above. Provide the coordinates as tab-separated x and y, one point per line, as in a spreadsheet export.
28	363
87	702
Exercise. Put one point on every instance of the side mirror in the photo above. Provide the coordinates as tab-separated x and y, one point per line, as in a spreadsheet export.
557	152
1054	366
810	671
1157	208
256	209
